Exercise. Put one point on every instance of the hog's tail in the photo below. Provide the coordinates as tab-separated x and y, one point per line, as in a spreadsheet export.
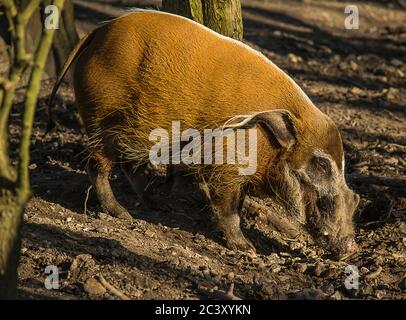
76	52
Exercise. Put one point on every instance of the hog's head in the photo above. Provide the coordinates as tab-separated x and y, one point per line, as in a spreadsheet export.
307	174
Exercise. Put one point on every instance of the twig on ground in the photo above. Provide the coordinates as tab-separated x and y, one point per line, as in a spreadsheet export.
374	274
86	199
230	293
113	290
225	295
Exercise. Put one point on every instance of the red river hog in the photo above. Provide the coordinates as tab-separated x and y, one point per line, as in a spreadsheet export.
151	72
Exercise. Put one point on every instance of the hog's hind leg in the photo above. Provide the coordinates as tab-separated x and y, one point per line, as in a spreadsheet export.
139	180
99	169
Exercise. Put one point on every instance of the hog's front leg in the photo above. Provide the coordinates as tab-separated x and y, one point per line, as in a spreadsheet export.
226	203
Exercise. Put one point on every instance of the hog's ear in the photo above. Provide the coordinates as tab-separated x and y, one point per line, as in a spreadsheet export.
278	124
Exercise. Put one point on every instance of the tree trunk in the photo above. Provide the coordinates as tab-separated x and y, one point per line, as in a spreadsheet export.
191	9
11	213
14	193
222	16
66	38
6	170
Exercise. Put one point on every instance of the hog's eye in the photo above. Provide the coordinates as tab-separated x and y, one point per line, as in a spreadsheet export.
321	165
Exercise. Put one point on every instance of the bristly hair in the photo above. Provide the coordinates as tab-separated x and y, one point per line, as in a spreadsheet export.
128	11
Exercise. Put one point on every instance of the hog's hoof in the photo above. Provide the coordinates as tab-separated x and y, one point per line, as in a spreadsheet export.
240	244
125	215
119	212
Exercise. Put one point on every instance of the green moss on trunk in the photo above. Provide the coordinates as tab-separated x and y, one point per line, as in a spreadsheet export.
224	16
11	213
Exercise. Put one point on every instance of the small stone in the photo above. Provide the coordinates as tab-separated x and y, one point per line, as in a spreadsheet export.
310	294
206	273
214	273
391	161
231	253
364	270
199	237
68	219
252	255
391	94
294	58
403	228
311	253
337	296
329	273
318	269
259	264
342	66
380	294
356	91
301	267
379	260
230	276
103	216
396	62
353	65
214	289
94	287
32	166
149	233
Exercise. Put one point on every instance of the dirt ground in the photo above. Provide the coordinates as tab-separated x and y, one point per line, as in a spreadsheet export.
356	76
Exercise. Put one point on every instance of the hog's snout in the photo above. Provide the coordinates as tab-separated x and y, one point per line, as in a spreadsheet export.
351	246
345	244
345	248
350	200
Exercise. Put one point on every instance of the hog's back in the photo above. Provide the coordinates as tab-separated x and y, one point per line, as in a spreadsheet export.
159	67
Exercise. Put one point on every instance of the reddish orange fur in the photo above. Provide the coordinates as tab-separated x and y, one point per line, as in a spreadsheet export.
141	71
